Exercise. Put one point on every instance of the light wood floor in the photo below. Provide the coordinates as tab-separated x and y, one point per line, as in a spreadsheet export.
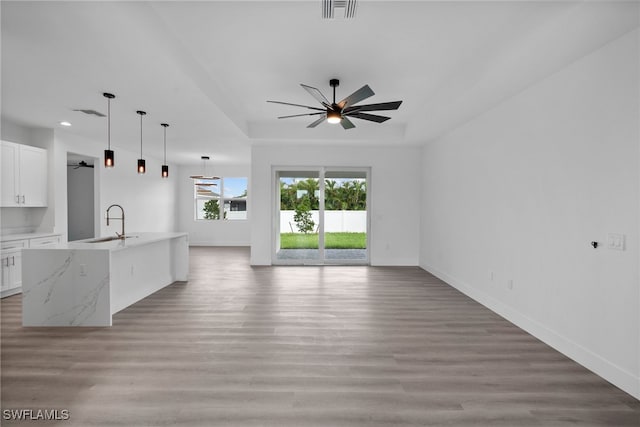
301	346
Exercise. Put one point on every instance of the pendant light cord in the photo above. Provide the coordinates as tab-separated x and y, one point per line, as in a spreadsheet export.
165	144
109	123
142	113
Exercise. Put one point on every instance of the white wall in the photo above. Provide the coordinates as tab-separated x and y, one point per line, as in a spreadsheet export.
395	175
80	203
205	232
523	189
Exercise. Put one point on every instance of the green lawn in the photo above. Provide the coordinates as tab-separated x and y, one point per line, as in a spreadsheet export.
332	241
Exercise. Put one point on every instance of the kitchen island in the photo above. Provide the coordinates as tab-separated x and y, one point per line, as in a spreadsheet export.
84	283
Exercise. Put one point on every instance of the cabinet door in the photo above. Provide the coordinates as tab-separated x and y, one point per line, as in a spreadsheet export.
6	269
16	269
33	176
11	269
8	175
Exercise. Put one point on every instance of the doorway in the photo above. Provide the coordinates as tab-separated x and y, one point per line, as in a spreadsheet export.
80	197
321	216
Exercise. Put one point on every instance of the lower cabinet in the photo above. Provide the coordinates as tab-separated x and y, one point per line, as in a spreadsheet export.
11	260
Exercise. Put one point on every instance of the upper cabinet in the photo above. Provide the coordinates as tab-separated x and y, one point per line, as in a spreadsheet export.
23	175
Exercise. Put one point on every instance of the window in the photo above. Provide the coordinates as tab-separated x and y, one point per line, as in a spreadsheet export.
224	198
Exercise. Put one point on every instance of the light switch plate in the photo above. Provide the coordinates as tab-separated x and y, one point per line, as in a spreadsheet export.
615	241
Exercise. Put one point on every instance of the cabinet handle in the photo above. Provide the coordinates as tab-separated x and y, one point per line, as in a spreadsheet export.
23	202
13	260
17	198
7	258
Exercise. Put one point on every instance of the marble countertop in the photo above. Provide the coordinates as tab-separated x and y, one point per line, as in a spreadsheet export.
133	239
25	236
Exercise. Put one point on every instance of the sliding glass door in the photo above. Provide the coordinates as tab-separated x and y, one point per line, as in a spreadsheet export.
321	216
298	240
345	217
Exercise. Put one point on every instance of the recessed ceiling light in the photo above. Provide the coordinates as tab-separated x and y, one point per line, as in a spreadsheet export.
65	124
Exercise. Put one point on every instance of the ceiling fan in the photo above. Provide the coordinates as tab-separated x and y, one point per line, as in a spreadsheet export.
81	164
340	112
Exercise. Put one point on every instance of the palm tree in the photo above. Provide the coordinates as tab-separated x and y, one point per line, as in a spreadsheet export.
310	185
330	195
287	196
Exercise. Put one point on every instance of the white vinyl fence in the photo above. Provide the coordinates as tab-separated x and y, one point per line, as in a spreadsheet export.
334	221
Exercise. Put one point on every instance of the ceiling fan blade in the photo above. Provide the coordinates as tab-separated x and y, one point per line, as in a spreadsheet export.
374	107
301	115
370	117
297	105
361	94
317	95
317	122
346	123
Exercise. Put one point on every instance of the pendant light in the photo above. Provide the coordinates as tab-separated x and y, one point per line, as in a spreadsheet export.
165	166
204	173
109	159
142	168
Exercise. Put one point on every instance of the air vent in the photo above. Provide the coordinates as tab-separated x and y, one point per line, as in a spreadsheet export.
339	9
91	112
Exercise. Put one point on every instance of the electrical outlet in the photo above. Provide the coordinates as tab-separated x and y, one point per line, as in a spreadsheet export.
510	284
615	241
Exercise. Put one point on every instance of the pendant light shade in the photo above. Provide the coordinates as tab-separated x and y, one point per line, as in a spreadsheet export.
165	166
109	158
142	168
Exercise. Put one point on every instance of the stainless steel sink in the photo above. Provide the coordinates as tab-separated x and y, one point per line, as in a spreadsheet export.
108	239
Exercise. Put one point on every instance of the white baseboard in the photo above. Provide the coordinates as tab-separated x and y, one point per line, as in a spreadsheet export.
208	243
616	375
9	292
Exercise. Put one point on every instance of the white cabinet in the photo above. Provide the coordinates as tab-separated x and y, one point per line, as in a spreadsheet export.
11	260
23	175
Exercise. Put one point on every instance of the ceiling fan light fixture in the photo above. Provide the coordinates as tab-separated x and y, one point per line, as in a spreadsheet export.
334	117
341	112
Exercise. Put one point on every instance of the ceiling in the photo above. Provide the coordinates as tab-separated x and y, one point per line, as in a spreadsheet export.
207	67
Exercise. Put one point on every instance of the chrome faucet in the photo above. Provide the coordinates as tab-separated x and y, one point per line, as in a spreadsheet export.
120	236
